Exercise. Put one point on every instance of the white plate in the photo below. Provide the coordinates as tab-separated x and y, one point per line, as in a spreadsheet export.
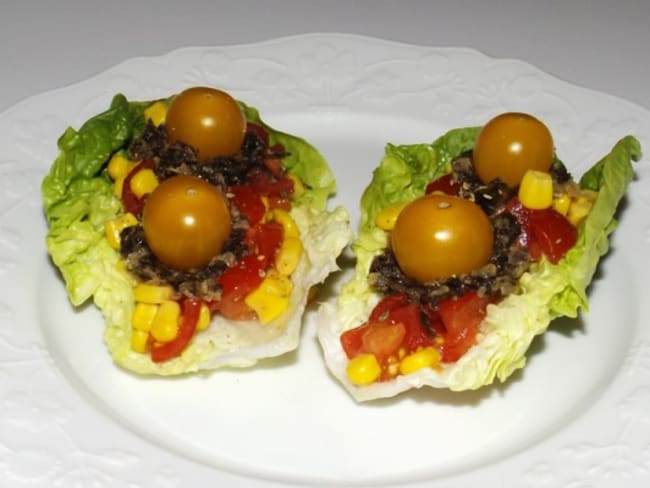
578	415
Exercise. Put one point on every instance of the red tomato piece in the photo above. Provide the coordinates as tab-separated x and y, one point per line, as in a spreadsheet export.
190	309
443	184
236	283
383	339
273	165
461	317
131	202
553	232
351	340
248	202
280	202
264	184
264	240
415	334
381	310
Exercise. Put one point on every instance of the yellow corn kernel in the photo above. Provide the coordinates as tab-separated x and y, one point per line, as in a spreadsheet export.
562	203
387	217
428	357
288	255
298	187
143	315
118	185
152	293
156	112
112	228
204	317
288	224
536	190
119	166
579	209
164	327
143	182
271	298
363	369
139	340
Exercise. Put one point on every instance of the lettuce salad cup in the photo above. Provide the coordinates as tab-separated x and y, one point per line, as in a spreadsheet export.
87	213
507	326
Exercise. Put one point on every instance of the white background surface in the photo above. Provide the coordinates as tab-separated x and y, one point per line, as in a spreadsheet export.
597	44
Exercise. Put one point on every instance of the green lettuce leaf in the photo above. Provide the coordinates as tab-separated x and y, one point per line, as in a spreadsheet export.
78	198
547	291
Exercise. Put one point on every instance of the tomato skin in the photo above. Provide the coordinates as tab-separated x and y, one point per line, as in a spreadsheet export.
438	236
381	311
544	232
131	202
509	145
443	184
352	340
190	310
248	202
207	119
236	283
186	221
415	334
461	317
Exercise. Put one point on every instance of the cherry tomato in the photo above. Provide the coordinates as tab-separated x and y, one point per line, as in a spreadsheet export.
438	236
207	119
509	145
186	221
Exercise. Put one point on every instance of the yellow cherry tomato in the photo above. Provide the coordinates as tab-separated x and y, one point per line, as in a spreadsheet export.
438	236
186	221
207	119
511	144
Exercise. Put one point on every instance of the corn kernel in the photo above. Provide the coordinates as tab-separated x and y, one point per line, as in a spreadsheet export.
152	293
271	298
387	217
143	315
288	255
143	182
164	327
204	317
562	203
156	112
363	369
578	210
139	340
119	166
298	187
288	224
536	190
113	228
118	185
428	357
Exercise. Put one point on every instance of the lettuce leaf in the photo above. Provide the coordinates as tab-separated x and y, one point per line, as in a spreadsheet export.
547	291
78	198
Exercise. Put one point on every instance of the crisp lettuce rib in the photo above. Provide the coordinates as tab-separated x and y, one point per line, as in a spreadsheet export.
546	291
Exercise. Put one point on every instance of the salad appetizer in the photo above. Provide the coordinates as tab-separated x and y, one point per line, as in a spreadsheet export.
467	249
197	229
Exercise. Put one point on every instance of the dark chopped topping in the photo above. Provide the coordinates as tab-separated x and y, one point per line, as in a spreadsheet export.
499	277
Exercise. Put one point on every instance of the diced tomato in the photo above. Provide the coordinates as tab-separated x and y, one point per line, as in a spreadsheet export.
273	165
264	240
381	310
263	184
190	309
461	317
351	340
415	334
553	232
280	202
276	149
544	232
260	131
248	202
383	339
443	184
131	202
236	283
